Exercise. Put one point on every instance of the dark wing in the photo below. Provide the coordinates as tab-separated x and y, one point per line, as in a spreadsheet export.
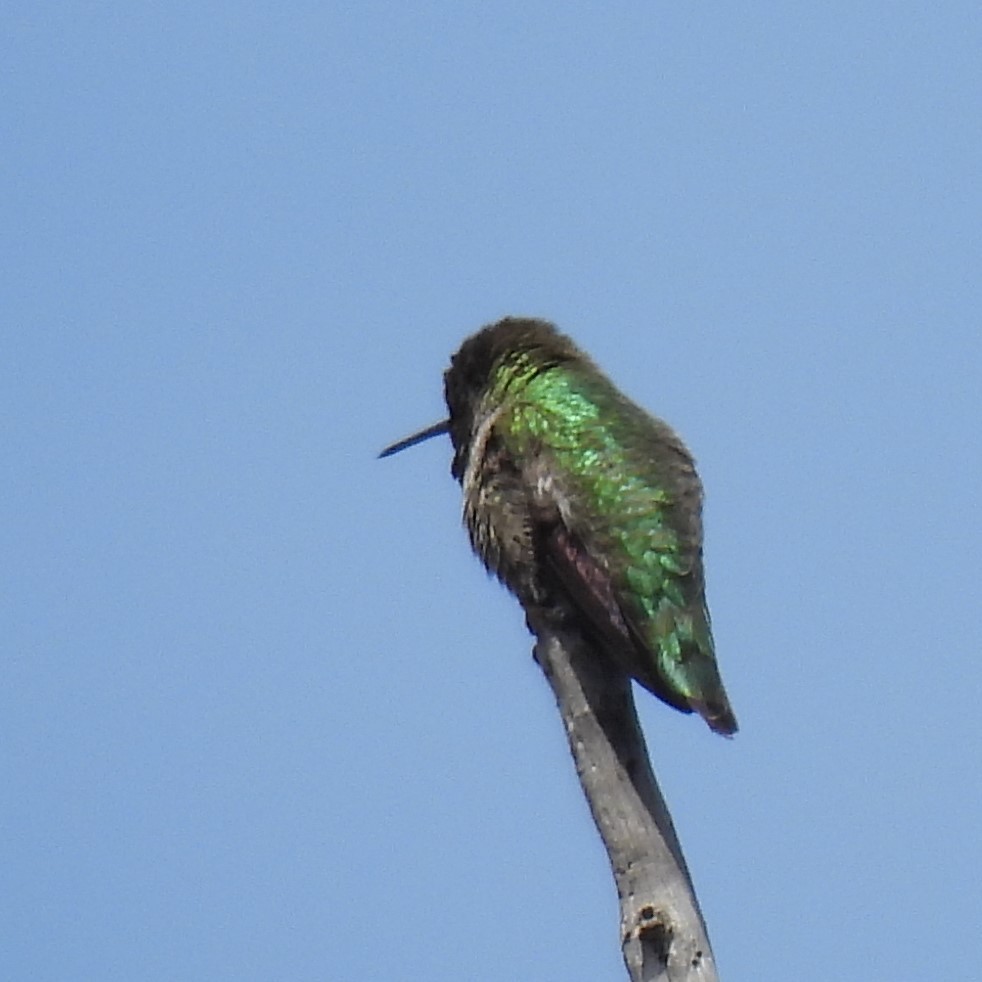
590	591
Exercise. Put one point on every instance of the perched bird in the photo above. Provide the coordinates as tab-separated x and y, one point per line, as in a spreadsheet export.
583	504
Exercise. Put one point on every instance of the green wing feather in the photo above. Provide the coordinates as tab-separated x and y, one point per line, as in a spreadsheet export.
629	500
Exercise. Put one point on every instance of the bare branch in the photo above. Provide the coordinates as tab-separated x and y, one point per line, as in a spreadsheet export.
663	936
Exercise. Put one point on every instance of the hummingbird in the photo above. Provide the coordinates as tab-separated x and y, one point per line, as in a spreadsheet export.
584	505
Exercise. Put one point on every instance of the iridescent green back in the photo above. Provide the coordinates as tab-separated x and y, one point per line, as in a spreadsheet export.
633	499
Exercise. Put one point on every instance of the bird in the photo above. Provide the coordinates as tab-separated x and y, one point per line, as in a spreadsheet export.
583	505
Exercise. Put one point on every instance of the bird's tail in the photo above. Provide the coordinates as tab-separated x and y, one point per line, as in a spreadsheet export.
717	713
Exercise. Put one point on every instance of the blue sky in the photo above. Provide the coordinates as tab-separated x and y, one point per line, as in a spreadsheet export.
263	716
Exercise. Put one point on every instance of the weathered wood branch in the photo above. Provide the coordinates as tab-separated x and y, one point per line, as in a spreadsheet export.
663	935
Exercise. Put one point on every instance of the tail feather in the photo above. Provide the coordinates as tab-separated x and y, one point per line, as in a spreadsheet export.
717	714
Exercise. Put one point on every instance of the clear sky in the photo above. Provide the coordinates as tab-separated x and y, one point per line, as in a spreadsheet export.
262	714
